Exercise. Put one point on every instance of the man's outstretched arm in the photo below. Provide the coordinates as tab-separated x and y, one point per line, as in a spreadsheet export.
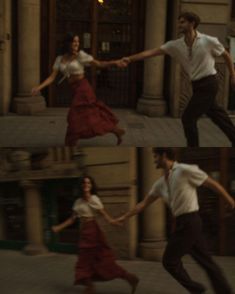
219	189
145	54
138	208
230	65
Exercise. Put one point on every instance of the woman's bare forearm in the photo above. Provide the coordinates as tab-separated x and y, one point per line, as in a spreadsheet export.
46	83
106	216
68	222
104	63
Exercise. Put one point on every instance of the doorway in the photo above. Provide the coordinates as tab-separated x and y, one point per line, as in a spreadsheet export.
58	199
12	216
108	30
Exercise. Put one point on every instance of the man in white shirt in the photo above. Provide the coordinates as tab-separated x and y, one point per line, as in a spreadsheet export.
178	189
196	53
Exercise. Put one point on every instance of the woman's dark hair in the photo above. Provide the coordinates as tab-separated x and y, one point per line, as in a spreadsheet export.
170	154
93	185
191	17
67	42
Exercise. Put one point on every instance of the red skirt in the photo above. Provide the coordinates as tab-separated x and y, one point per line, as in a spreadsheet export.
87	117
96	260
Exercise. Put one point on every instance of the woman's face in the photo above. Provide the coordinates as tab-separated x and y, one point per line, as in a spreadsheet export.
86	185
75	44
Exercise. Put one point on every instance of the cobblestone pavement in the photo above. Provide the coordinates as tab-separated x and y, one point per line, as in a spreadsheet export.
53	274
48	129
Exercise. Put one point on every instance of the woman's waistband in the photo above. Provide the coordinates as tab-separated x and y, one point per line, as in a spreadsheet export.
77	80
84	220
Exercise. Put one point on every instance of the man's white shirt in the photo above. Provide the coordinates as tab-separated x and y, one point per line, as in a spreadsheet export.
179	190
201	62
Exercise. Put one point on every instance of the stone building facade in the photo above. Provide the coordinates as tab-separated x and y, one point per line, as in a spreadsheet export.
51	171
162	86
37	191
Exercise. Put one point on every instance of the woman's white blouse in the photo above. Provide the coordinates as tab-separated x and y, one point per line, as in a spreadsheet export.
85	208
74	67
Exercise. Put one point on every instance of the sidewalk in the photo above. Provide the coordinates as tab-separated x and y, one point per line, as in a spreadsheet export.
53	274
48	129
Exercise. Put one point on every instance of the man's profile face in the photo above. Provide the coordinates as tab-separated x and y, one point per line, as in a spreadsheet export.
158	160
184	25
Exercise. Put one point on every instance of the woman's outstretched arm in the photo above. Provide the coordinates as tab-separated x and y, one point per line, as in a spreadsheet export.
104	64
68	222
45	83
107	216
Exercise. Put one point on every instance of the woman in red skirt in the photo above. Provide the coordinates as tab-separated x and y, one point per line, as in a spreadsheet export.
87	116
96	260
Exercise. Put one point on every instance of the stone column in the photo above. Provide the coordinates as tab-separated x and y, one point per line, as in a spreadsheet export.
28	58
34	214
152	102
153	226
5	56
2	222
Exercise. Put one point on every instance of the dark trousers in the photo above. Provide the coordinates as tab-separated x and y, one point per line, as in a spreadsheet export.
188	239
204	101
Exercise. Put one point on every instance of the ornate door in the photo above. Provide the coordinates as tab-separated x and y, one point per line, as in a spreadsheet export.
107	30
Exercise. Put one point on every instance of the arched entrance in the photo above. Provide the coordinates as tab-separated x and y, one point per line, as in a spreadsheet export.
107	31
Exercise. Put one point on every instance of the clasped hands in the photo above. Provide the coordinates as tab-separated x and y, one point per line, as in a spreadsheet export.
123	62
35	91
119	221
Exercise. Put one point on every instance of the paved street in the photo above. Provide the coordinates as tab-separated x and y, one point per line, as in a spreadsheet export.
48	129
53	274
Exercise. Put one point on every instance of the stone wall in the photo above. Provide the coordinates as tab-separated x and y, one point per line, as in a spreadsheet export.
114	170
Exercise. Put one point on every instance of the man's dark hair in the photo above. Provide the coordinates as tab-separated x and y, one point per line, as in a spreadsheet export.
191	17
170	154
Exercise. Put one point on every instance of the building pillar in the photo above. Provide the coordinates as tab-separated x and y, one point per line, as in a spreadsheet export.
5	56
34	227
2	221
152	102
28	58
153	226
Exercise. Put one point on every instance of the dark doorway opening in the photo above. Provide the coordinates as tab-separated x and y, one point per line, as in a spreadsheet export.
107	31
